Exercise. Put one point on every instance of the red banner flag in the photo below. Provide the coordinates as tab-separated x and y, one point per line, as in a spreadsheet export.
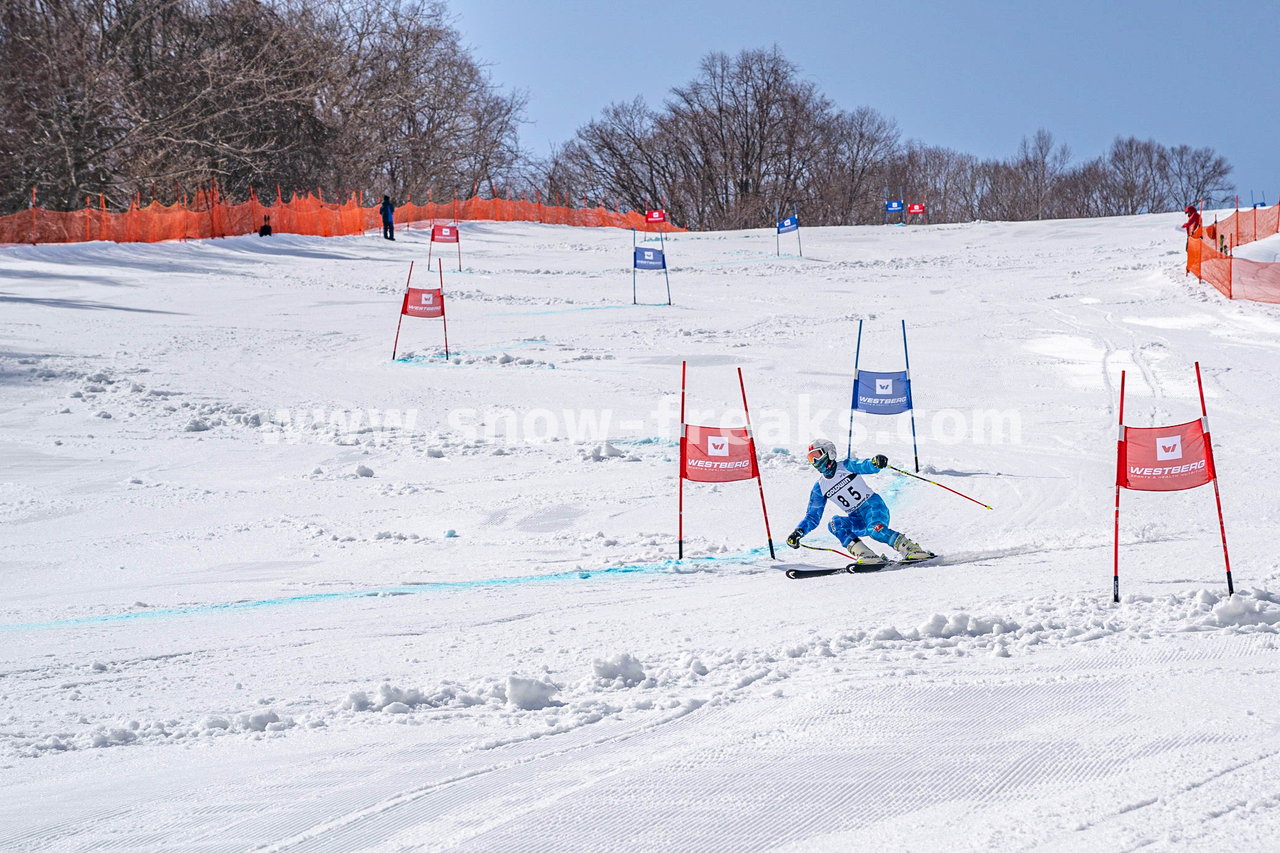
652	216
423	303
1164	459
915	207
444	233
718	454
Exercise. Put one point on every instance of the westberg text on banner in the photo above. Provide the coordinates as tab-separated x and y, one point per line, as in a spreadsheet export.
718	454
444	233
1165	459
786	226
650	259
883	393
423	303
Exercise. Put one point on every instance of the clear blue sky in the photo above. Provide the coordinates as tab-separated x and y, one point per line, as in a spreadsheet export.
975	76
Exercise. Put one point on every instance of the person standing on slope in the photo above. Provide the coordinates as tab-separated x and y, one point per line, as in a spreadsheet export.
388	211
867	514
1192	225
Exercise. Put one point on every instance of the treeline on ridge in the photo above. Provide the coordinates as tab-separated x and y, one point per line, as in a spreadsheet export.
158	98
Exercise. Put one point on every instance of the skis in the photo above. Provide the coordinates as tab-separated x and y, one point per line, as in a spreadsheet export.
855	568
801	574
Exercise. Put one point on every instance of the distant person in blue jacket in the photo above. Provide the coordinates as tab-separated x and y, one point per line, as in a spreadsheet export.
867	514
388	211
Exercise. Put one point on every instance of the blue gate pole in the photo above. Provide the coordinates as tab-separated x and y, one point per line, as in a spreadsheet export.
633	266
911	406
853	403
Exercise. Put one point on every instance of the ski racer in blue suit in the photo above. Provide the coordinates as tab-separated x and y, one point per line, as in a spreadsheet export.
865	512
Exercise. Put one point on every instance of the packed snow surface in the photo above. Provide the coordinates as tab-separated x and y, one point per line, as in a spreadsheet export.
263	587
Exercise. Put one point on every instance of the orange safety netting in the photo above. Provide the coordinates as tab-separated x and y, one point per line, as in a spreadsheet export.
1209	255
208	215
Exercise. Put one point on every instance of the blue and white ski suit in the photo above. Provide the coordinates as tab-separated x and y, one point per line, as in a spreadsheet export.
867	513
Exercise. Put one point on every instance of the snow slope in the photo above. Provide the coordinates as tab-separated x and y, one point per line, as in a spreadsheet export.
264	588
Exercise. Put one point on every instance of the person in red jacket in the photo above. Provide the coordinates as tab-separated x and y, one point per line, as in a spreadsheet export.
1192	225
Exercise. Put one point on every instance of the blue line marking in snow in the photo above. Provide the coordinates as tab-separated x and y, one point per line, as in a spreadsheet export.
649	440
379	592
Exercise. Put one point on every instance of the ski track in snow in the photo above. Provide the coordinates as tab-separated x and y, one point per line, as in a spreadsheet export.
261	593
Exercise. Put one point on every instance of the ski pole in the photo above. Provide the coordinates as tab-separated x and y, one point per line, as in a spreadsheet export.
832	550
939	485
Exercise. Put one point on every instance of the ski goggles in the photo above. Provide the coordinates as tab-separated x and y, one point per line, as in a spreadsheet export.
816	455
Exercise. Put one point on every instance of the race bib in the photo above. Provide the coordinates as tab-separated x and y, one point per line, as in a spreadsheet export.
846	490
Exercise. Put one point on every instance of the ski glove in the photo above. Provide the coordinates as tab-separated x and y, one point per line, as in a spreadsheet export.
880	461
794	539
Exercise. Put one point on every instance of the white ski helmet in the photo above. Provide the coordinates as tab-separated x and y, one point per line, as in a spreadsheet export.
822	454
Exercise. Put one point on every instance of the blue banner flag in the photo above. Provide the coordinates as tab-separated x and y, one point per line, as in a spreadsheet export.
650	259
893	207
791	223
883	393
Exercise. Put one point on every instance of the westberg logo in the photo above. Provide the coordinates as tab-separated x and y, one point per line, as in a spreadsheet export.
883	387
1169	448
717	445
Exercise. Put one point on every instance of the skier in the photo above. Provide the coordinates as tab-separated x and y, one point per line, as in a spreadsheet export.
867	513
387	209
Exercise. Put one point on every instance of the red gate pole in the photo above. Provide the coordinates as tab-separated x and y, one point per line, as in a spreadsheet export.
683	429
755	462
1115	580
1208	449
444	313
399	322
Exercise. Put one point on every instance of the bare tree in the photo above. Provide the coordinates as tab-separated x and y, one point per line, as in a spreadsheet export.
1198	174
949	182
1137	177
1040	164
618	156
852	161
125	97
737	130
1082	191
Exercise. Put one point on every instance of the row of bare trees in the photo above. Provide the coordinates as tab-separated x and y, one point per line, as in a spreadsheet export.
749	137
160	97
157	98
1040	182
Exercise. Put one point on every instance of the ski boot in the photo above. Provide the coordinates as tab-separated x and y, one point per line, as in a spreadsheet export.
864	558
910	551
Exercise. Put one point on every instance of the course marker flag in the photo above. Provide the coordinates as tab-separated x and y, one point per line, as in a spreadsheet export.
444	234
419	302
881	393
1166	459
718	455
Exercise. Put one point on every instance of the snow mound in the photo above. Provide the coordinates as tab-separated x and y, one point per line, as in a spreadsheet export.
530	694
1256	607
621	670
